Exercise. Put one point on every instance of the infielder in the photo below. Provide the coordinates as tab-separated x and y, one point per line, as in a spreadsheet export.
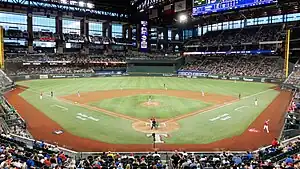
256	102
202	93
78	94
165	87
266	126
149	99
41	95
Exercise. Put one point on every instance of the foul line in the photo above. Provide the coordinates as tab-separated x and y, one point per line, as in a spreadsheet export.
216	107
64	108
240	108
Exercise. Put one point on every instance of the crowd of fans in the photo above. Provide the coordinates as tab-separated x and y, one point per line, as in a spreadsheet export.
238	36
73	58
15	154
294	77
50	70
249	65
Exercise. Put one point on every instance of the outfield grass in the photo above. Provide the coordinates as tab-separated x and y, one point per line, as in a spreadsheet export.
169	106
195	129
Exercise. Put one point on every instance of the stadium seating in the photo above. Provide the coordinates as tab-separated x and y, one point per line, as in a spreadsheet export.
235	65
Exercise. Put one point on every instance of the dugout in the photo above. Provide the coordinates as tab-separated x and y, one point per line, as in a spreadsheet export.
157	65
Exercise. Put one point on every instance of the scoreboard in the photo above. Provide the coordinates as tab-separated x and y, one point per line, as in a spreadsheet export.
202	7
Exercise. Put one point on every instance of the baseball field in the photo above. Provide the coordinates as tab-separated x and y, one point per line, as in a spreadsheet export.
112	113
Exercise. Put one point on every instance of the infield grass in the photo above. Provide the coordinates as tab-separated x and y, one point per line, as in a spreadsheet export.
168	107
195	129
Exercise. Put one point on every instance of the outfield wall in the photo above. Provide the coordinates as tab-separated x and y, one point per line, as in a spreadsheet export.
180	74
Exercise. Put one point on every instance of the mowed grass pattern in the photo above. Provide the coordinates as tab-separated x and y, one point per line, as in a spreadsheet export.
169	106
195	129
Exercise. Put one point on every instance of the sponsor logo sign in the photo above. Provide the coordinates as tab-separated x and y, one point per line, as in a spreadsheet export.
58	76
248	80
224	77
234	78
213	76
168	75
44	77
192	73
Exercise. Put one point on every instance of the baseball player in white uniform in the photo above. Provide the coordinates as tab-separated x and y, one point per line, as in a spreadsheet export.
266	126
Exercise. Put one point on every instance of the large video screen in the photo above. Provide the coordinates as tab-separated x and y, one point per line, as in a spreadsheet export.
202	7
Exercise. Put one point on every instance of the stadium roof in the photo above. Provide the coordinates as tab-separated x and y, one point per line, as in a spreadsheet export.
112	5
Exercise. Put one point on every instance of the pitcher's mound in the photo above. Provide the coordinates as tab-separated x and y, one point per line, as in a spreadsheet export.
151	104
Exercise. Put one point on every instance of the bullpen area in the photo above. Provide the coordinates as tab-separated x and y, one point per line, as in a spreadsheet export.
113	113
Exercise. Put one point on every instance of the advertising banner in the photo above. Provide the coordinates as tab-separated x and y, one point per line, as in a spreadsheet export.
192	73
44	77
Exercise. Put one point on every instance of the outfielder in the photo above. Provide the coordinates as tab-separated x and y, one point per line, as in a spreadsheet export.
256	102
41	95
266	126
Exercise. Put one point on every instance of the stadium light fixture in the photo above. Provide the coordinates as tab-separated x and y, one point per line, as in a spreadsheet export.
64	1
90	5
81	3
183	18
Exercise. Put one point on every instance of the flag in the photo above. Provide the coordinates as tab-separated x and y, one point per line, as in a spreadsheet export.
180	6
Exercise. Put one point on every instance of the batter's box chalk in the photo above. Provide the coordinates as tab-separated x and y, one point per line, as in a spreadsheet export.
163	125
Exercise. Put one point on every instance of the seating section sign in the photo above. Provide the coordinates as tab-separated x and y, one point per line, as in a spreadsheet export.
144	35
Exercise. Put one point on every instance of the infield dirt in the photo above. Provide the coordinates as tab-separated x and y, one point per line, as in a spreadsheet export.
42	127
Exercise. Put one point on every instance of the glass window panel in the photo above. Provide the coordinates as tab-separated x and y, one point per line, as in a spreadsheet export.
293	17
204	30
208	28
225	25
230	25
43	29
262	20
71	24
242	23
117	30
214	27
43	21
13	18
199	31
277	19
219	26
250	22
95	26
14	26
237	24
